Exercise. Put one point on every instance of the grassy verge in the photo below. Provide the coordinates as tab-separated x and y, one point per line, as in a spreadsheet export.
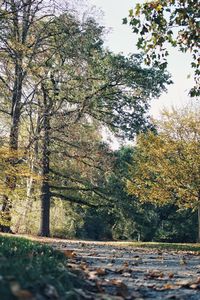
194	247
161	246
29	270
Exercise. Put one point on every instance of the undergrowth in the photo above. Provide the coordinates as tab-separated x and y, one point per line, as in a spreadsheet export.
38	271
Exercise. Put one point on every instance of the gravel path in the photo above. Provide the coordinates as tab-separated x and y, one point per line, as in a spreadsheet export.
135	273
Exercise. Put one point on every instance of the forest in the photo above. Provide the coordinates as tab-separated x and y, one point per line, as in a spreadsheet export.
60	89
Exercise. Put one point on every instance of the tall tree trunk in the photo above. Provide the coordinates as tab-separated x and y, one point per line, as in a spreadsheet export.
33	161
13	144
16	103
45	189
199	218
29	201
198	240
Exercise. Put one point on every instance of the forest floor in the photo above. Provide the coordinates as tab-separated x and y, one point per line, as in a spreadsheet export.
136	273
120	271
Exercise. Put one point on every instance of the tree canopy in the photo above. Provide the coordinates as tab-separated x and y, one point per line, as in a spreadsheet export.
59	87
165	167
161	22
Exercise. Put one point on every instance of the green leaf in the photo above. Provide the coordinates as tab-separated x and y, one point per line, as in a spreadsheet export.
137	8
130	12
124	21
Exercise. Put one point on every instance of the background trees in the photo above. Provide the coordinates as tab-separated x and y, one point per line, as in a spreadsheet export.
165	166
60	87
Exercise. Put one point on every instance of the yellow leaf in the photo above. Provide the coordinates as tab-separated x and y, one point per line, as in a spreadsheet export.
159	7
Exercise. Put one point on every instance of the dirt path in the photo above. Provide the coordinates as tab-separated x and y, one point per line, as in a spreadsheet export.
135	273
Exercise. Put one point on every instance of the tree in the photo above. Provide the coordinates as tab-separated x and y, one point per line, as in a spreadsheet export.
132	219
67	79
19	47
165	167
175	22
81	83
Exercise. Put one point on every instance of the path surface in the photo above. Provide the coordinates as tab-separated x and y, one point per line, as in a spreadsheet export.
135	273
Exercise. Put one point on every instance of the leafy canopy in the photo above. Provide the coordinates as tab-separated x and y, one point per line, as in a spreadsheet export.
165	167
160	22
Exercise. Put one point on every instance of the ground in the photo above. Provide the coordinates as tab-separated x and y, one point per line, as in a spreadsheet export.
135	273
114	271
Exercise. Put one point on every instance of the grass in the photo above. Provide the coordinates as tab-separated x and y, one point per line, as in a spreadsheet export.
161	246
28	269
194	247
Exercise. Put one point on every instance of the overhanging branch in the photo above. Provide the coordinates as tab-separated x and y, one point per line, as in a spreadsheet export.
73	199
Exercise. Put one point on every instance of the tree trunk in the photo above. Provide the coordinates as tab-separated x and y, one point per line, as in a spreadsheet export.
5	215
29	201
45	189
13	144
199	221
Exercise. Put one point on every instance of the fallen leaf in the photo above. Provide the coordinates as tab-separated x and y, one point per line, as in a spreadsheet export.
183	261
119	271
155	274
195	286
115	281
171	275
93	254
127	274
184	283
24	295
190	284
101	271
110	265
168	286
69	253
139	260
19	293
122	290
83	266
125	264
92	275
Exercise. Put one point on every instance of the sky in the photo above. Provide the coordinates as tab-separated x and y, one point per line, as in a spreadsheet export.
121	39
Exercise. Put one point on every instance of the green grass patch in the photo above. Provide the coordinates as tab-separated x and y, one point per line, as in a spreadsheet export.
161	246
30	267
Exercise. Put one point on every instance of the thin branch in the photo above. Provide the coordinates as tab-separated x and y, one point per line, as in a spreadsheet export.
73	199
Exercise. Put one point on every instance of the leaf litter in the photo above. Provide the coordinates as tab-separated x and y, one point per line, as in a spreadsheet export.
131	273
116	272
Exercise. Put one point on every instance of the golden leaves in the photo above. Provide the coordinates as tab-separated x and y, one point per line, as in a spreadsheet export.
159	7
167	164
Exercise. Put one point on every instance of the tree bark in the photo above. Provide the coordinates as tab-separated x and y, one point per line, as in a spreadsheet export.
13	143
45	188
199	218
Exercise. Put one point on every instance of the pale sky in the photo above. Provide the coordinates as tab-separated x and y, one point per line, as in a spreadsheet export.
121	39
